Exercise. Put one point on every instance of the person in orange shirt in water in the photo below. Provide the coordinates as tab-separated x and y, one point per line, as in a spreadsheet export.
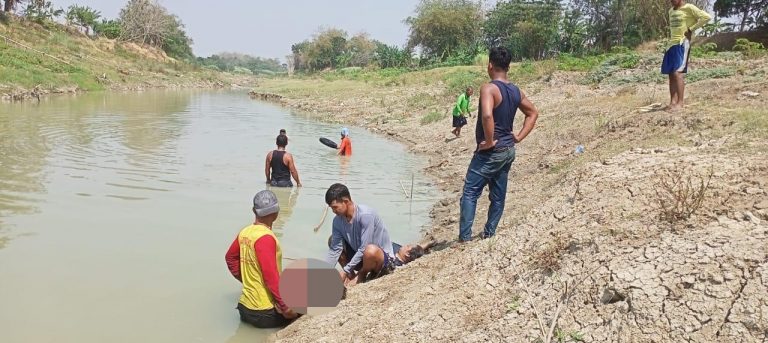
345	149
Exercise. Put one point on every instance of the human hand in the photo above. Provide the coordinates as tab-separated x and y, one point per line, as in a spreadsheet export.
290	314
485	145
298	184
517	140
689	34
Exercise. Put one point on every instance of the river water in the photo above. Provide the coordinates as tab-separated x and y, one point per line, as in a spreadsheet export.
116	210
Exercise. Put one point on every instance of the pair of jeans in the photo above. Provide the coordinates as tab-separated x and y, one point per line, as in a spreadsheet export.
486	168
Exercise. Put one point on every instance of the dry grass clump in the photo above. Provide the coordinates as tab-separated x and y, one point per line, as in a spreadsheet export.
680	193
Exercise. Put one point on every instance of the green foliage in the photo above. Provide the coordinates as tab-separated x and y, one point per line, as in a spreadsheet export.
442	28
108	28
227	61
147	22
83	16
390	56
563	336
458	81
749	49
519	26
570	62
42	12
704	50
612	64
709	73
750	13
241	70
176	43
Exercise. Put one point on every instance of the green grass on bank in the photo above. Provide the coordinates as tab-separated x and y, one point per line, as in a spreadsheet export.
80	61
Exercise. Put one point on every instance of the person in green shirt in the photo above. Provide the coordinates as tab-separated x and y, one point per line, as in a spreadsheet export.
461	111
684	19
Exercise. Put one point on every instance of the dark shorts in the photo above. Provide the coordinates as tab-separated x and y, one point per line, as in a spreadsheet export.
263	319
390	262
459	121
281	183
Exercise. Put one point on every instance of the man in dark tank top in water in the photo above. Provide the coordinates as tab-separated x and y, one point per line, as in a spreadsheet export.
280	165
499	101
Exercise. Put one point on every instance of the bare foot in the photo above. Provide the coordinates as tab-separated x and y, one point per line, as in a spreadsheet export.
674	109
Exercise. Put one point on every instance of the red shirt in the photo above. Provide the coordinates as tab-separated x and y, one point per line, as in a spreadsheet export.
346	147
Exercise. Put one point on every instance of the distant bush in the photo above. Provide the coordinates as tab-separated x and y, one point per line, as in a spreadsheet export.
704	50
241	70
570	62
108	28
749	49
458	81
710	73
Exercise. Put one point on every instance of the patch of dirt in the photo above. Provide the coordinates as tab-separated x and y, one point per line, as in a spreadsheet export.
581	250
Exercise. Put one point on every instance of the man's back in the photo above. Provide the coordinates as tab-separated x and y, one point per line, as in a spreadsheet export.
255	294
346	147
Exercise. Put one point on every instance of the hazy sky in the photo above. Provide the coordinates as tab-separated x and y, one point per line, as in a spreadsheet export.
269	28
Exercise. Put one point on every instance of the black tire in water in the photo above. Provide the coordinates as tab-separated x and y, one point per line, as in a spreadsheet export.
329	143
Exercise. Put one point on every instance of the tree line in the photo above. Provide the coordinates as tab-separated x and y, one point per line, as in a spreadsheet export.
453	32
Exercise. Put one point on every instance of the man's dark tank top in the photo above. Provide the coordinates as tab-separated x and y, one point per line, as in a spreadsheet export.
503	116
280	171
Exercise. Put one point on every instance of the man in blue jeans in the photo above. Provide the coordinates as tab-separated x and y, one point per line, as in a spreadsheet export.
499	101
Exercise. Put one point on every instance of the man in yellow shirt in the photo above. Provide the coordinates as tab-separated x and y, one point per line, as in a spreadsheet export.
255	259
683	20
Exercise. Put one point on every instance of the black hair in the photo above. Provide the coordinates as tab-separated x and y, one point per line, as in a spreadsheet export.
282	131
336	192
282	140
500	58
416	252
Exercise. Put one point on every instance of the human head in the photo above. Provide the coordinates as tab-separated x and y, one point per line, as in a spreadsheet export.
412	252
281	141
266	206
498	60
676	3
470	91
338	198
344	132
282	131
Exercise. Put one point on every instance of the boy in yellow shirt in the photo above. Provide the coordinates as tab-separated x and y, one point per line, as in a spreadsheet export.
683	20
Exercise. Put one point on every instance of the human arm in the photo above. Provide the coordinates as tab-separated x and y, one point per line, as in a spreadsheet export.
336	246
266	166
465	105
343	145
702	18
531	115
367	230
486	116
292	166
233	259
265	248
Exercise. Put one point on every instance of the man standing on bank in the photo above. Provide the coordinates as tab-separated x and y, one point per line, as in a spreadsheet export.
499	101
